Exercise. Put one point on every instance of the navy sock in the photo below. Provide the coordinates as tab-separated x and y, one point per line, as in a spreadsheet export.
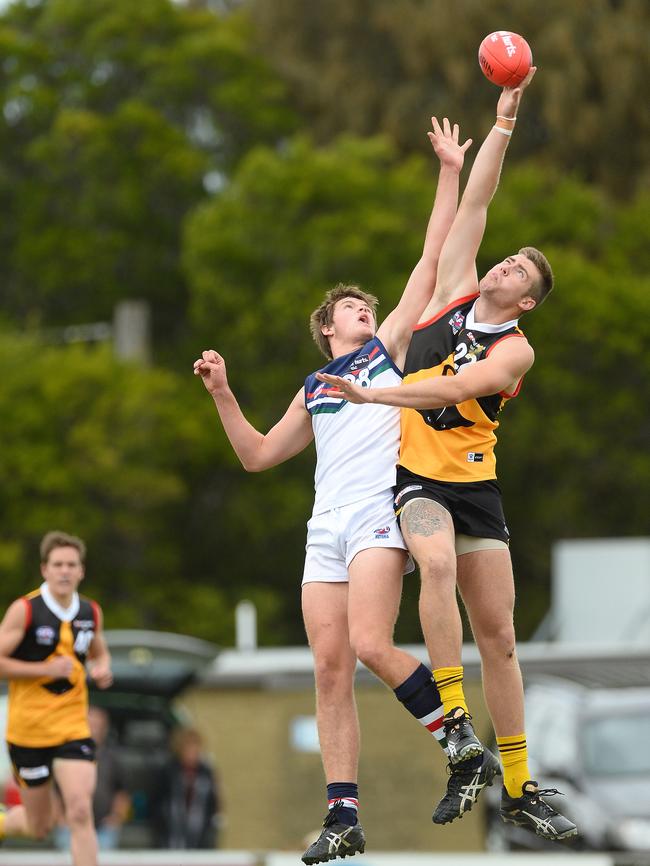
419	695
348	793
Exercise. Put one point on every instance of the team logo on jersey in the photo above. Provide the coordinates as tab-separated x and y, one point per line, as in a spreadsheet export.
468	351
475	350
359	362
83	641
45	635
383	532
474	457
84	623
457	321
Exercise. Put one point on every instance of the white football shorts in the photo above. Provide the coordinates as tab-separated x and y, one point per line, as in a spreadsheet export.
335	537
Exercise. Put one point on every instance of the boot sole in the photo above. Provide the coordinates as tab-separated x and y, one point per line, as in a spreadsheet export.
467	753
488	784
311	861
568	834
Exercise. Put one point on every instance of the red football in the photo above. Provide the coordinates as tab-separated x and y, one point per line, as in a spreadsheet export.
505	58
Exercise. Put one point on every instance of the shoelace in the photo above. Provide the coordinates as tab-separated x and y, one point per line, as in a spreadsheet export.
330	818
458	776
457	721
456	770
544	792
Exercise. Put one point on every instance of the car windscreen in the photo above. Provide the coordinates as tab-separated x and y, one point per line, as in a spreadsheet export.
617	745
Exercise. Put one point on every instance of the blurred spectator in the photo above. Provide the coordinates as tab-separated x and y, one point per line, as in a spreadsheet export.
186	806
111	802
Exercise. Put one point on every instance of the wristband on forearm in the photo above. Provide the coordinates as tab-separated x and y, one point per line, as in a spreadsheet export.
505	125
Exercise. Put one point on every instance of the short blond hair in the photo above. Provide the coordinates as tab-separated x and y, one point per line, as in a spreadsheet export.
324	314
55	539
540	288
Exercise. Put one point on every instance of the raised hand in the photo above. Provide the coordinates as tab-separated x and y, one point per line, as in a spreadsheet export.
510	96
444	141
211	367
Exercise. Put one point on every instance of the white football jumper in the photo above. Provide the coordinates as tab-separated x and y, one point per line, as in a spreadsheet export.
357	447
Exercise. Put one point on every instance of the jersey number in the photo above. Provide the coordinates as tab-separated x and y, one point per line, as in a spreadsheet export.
362	379
449	417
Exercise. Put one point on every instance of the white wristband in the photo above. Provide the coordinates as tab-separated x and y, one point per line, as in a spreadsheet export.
503	131
503	117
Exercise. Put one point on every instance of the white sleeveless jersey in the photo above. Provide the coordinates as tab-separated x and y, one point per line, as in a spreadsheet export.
357	447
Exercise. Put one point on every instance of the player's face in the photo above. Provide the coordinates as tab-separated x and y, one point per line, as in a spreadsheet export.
353	319
510	281
63	571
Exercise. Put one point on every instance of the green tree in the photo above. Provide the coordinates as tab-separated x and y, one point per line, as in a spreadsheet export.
117	117
370	66
113	453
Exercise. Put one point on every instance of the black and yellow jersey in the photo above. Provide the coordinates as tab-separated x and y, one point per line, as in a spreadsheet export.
455	443
46	712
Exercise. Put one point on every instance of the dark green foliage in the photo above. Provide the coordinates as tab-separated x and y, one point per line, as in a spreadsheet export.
380	66
146	151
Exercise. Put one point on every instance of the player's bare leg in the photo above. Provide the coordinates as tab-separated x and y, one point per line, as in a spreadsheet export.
375	591
428	530
429	533
325	612
76	781
487	587
35	818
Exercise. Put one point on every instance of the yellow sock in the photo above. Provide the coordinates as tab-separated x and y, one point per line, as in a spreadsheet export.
450	686
2	824
514	757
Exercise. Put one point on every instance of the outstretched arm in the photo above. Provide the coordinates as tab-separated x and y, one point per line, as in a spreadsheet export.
457	267
396	329
500	372
256	451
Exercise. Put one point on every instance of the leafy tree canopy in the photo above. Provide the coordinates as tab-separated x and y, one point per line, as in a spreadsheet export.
117	118
370	66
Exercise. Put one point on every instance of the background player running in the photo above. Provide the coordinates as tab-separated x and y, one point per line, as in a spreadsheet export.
46	640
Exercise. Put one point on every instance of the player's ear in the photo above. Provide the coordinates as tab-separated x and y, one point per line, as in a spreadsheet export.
527	303
327	330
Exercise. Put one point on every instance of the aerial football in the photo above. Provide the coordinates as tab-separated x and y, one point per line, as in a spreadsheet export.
505	58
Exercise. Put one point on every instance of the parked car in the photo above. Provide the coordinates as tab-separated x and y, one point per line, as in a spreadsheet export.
593	744
151	669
